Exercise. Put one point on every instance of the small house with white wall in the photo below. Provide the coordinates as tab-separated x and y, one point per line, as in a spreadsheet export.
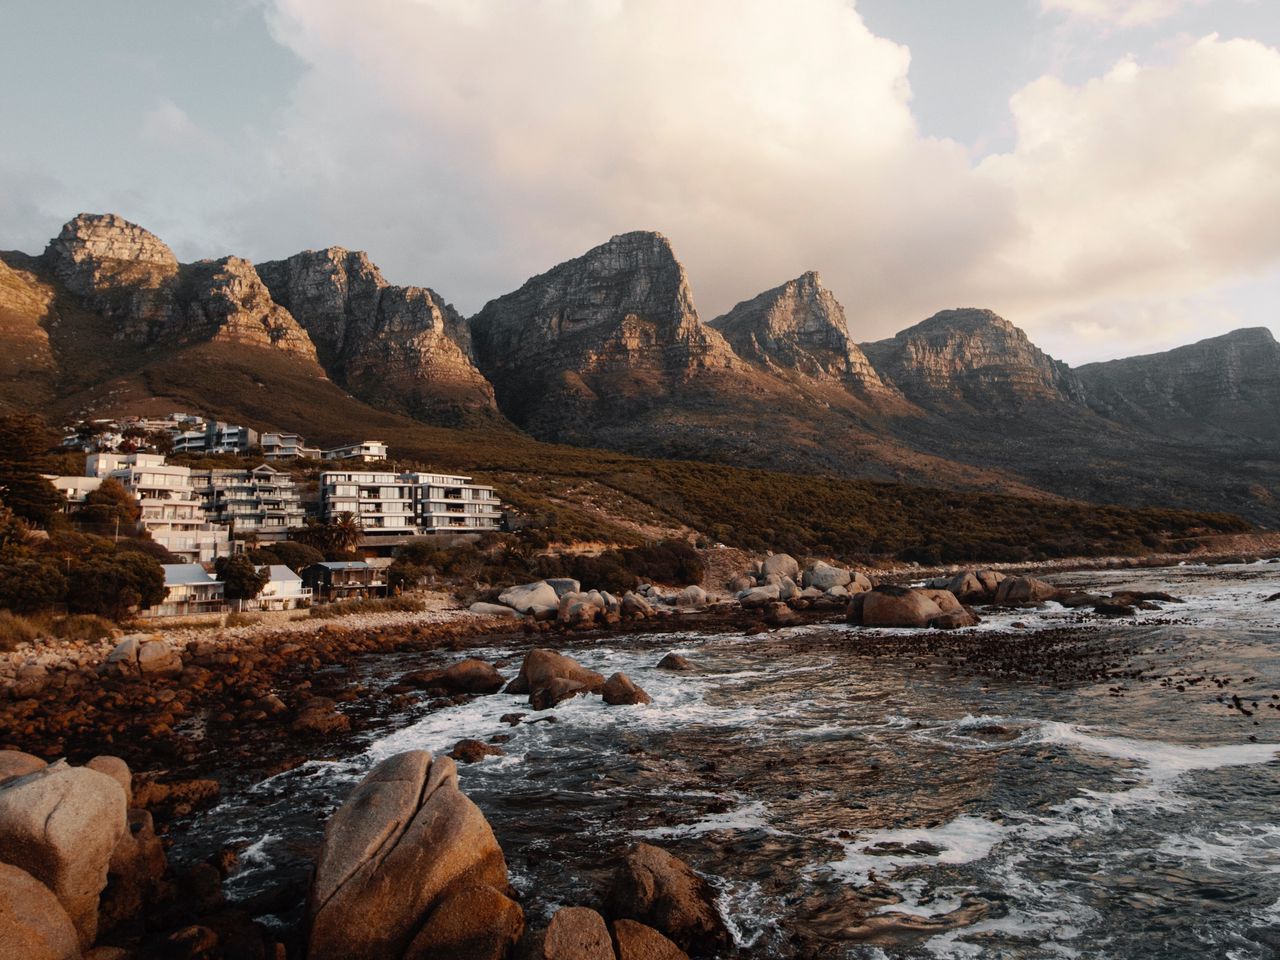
188	589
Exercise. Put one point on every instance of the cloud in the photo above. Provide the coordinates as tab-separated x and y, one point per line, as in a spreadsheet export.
1119	13
469	145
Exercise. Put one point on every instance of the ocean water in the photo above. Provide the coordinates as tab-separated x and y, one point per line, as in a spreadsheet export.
855	793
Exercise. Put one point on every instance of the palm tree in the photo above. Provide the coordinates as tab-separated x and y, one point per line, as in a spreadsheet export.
347	531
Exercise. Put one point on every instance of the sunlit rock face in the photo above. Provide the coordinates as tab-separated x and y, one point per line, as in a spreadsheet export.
403	348
973	357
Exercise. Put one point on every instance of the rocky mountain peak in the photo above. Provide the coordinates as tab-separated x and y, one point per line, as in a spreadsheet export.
95	237
226	300
800	326
401	347
1225	385
972	356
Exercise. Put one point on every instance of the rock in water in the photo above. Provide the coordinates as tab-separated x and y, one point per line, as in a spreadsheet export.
662	891
896	607
618	690
405	843
673	661
576	933
1014	590
61	825
473	676
33	924
542	666
638	942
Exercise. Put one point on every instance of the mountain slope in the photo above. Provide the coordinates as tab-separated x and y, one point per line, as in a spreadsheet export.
1222	387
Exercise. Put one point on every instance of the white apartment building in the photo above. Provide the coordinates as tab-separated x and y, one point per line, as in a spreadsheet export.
447	502
263	501
214	436
407	504
286	446
367	451
172	512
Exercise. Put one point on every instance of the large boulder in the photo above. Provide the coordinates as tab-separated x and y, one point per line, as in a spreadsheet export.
619	691
759	596
15	763
636	607
945	599
824	576
135	872
581	609
61	825
782	564
538	599
556	690
636	941
405	842
494	610
472	676
1017	590
662	891
860	583
692	596
141	654
476	922
117	770
33	924
967	587
893	607
563	585
30	681
576	933
542	666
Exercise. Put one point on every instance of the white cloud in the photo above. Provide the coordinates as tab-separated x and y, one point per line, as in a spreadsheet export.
1119	13
470	144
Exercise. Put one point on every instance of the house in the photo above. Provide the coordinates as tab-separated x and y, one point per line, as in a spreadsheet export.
74	489
368	451
188	589
284	590
344	580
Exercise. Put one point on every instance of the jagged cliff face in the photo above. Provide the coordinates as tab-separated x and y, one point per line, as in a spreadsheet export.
1225	386
132	278
615	326
801	327
972	357
401	347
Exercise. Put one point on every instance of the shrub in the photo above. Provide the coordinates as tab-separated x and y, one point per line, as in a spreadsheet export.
15	630
80	626
241	580
668	561
242	619
295	556
28	584
375	605
115	585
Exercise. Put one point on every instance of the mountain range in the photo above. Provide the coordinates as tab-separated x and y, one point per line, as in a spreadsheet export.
608	351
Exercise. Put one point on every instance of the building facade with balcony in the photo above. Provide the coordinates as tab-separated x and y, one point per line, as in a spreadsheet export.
368	451
286	446
408	504
188	590
262	502
172	512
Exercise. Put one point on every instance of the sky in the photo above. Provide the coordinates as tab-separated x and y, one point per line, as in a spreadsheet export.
1103	173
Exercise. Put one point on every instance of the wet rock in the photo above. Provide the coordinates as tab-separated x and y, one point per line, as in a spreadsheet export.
673	661
945	599
320	716
193	942
511	719
542	666
15	763
1014	590
176	797
556	690
779	615
576	933
1271	599
955	620
893	607
61	824
635	941
618	690
473	676
473	751
1110	608
405	842
135	872
475	922
33	924
662	891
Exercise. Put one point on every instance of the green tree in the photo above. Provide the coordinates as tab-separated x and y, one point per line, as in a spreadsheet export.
241	580
115	584
110	504
30	584
295	556
25	442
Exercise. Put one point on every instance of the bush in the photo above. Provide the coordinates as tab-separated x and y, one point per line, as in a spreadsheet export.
295	556
668	561
241	580
80	626
15	630
28	584
115	585
242	619
376	605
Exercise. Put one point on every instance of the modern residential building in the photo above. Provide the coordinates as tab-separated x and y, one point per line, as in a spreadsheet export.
214	436
446	502
384	502
261	502
188	589
172	513
368	451
74	489
344	580
408	504
286	446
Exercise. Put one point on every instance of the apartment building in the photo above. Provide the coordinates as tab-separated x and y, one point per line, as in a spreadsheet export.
214	436
172	512
367	451
407	504
286	446
261	502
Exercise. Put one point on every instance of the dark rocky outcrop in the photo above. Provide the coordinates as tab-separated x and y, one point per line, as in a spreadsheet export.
1222	386
658	889
403	348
